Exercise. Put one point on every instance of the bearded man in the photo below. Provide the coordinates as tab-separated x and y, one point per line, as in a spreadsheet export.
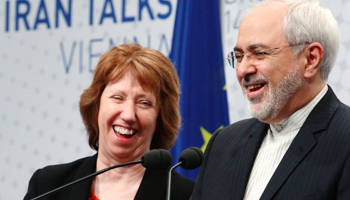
297	146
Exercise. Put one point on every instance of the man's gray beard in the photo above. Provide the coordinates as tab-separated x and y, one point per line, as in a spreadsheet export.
277	97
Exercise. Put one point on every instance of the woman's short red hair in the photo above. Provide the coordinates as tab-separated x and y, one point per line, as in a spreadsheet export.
154	71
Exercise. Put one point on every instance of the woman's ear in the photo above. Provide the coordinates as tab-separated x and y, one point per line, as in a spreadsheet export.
314	55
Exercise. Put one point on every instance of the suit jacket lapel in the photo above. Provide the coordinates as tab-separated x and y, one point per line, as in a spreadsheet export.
303	142
246	157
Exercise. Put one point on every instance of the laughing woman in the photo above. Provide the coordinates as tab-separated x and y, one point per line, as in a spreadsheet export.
131	107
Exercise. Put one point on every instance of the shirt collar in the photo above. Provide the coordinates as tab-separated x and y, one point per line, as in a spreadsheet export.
297	119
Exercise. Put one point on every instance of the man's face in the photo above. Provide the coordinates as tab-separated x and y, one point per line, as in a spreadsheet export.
268	84
268	104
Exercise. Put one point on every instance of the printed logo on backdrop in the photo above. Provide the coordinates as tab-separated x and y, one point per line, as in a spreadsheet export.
88	28
233	17
232	14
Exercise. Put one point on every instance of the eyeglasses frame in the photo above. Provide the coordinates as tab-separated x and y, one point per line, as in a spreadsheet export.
231	55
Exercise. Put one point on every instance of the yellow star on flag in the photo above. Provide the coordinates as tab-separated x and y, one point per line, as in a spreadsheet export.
206	136
224	88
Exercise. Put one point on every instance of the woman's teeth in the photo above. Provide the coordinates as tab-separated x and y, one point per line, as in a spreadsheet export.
123	131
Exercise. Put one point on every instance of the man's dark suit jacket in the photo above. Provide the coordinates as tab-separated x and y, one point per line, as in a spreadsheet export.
316	165
153	185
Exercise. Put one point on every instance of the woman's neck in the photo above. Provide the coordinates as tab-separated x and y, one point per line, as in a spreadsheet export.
122	182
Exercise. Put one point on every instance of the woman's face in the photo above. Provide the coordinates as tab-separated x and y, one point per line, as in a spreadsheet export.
126	119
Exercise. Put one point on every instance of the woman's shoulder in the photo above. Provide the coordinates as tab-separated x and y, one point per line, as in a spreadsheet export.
69	165
66	170
53	176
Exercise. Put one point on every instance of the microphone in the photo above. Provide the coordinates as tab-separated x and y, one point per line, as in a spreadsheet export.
157	159
154	159
190	158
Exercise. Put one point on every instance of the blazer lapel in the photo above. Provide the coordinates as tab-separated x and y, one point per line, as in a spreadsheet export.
153	185
303	142
82	189
246	157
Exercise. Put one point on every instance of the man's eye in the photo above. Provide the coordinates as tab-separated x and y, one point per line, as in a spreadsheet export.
259	54
238	57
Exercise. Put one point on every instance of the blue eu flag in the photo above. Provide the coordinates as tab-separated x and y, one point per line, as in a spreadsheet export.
197	55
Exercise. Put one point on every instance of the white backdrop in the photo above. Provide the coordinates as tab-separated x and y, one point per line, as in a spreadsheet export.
45	66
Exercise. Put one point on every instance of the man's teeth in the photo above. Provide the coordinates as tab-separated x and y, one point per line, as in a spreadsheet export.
254	86
123	131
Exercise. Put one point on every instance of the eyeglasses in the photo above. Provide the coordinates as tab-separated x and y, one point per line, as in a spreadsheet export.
255	56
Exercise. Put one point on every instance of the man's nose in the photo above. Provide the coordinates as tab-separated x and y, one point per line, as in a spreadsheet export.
245	67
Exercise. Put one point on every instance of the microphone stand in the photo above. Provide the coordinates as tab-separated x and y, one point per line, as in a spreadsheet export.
169	180
89	176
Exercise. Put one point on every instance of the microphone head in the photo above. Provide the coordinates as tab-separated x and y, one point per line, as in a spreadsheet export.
191	158
157	159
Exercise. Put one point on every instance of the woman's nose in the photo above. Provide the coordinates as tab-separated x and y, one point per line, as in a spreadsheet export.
128	111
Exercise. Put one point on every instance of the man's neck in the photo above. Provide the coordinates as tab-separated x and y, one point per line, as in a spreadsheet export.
302	97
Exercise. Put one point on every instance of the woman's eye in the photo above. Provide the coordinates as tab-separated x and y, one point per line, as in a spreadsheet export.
146	104
117	97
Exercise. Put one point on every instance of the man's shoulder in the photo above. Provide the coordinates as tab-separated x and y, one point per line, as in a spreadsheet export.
345	109
242	125
239	129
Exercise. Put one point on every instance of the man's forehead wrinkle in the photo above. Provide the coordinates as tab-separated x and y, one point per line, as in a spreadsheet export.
252	47
258	45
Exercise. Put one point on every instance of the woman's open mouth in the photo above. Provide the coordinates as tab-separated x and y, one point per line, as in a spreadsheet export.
124	131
